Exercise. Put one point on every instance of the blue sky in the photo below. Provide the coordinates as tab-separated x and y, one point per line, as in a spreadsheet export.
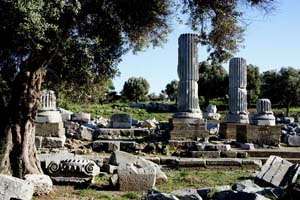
271	41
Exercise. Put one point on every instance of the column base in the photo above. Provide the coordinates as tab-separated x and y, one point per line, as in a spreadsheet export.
263	120
188	128
240	118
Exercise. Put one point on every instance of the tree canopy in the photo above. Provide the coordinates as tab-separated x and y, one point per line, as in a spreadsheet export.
135	89
254	79
172	90
215	78
282	87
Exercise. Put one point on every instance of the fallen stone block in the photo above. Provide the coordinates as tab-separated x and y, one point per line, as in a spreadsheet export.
85	133
293	140
246	186
157	195
186	194
132	178
15	188
42	183
277	172
53	142
122	158
73	171
205	192
106	145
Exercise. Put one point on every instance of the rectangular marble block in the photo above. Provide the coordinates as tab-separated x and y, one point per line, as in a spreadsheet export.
261	135
50	129
228	130
188	128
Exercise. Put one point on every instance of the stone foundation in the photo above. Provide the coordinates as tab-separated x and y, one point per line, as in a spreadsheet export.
228	130
187	128
261	135
50	129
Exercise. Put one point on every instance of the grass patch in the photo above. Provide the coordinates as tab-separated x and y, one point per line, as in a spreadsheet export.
106	110
193	178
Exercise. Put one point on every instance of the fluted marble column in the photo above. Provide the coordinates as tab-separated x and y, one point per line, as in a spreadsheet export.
264	116
263	106
188	103
47	101
237	92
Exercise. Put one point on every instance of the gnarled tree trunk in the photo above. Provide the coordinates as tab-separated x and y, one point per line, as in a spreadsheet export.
20	152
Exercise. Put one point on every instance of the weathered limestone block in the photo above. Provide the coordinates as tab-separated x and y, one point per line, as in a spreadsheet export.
132	178
293	140
85	133
149	123
191	162
66	115
261	135
277	172
188	128
42	183
123	158
106	145
15	188
49	116
227	130
204	154
246	186
120	121
53	142
73	171
157	195
238	112
50	129
187	194
81	116
119	132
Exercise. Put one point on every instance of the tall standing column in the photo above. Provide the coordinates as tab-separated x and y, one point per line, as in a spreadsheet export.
188	123
237	92
188	103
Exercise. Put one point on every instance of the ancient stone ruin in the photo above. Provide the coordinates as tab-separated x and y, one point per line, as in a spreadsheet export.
264	116
211	113
50	131
188	121
238	112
